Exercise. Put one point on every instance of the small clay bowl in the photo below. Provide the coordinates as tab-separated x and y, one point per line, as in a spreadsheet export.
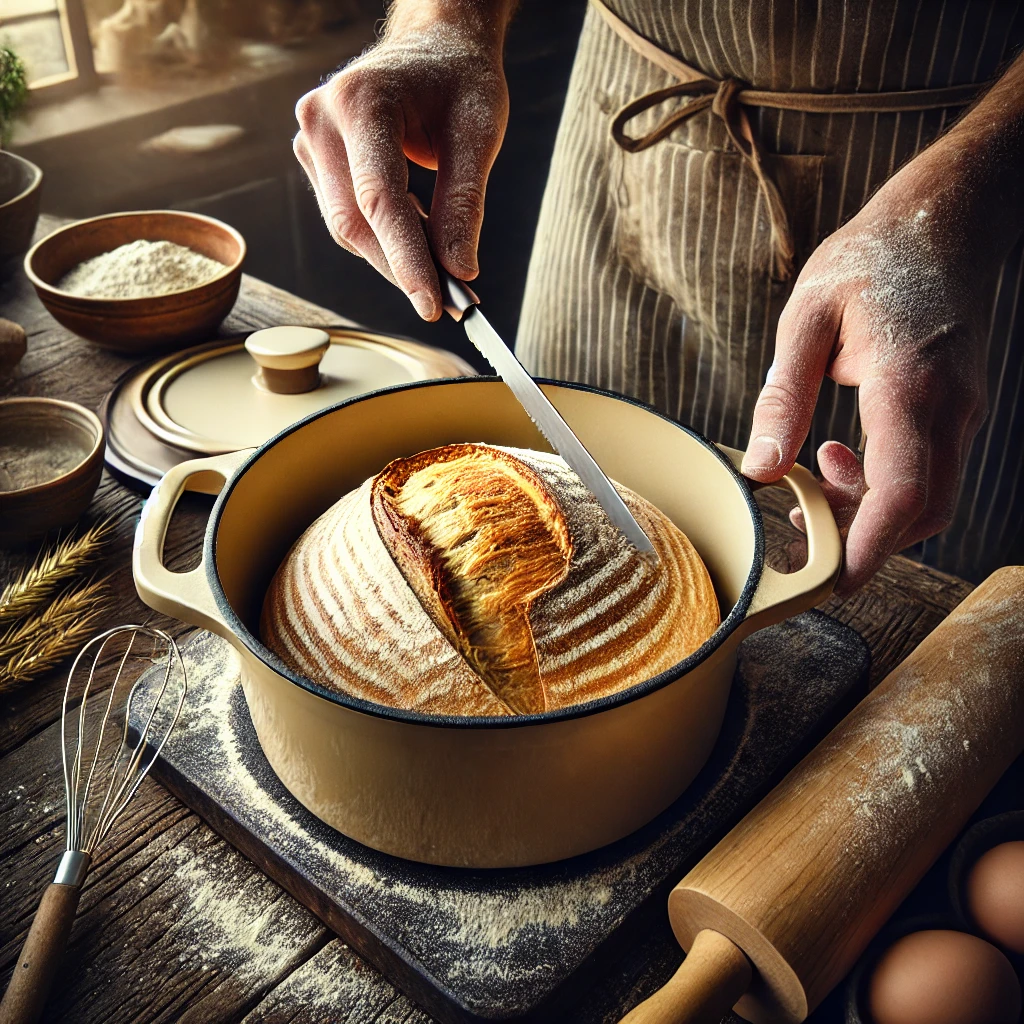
51	460
20	191
136	326
979	839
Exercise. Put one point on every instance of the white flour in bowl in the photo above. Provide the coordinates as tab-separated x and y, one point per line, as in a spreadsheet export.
138	270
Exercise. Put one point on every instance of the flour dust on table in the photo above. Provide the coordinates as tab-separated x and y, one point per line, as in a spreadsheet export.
473	946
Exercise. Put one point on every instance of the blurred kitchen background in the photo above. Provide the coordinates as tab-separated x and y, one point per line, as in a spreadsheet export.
189	105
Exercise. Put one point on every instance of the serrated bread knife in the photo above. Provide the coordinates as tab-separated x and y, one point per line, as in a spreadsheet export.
462	304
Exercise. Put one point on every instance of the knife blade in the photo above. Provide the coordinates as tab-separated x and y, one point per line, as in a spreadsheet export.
462	304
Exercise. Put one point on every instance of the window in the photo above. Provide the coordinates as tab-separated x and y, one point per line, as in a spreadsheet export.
51	38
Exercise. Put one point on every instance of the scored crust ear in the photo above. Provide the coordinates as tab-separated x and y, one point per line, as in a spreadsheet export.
478	537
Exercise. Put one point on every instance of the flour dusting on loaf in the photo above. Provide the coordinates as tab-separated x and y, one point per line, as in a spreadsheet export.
477	580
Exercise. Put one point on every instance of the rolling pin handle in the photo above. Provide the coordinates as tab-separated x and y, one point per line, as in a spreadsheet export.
710	981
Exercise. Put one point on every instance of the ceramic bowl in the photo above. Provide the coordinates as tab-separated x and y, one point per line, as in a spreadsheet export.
20	191
155	323
51	459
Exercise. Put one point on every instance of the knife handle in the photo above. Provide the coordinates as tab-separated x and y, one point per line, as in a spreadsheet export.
456	295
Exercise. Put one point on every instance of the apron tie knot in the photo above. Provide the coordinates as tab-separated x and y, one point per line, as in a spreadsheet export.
727	106
728	100
725	97
722	98
701	93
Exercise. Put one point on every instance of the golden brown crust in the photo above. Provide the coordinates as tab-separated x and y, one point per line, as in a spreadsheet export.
339	612
511	593
478	537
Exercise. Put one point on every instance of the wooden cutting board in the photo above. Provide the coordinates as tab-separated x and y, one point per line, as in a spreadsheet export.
506	945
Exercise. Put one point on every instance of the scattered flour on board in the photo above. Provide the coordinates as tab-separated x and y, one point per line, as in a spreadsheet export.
511	932
489	920
477	933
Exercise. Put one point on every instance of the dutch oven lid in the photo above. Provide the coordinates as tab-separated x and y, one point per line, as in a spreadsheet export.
238	393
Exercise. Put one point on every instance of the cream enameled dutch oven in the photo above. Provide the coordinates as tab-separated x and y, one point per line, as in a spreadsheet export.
479	792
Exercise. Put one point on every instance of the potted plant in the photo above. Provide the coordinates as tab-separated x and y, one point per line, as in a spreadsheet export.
20	179
13	91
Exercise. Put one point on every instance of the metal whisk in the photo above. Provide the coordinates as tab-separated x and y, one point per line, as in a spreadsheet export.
103	769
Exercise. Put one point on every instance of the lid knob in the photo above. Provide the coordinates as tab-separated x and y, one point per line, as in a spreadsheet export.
288	358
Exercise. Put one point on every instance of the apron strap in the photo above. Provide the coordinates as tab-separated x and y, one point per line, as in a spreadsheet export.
727	98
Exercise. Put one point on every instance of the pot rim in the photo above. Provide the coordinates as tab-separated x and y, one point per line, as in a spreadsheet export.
253	644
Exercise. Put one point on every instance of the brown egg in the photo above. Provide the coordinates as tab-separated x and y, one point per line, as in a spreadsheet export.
943	977
995	894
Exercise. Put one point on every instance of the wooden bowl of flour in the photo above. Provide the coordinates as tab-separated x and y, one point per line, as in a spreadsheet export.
178	316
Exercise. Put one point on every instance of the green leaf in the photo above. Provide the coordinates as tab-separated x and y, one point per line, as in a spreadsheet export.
13	90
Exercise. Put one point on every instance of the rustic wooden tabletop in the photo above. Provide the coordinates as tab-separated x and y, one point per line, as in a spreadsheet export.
174	924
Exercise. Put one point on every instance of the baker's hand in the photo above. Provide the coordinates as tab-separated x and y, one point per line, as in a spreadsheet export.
432	90
892	303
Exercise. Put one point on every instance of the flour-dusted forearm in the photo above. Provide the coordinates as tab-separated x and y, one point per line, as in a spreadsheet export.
982	159
897	303
431	91
486	20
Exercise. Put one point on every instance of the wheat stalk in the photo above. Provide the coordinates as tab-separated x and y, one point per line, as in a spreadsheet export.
52	569
42	641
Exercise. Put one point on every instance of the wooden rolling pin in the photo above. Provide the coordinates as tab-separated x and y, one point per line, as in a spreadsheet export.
778	912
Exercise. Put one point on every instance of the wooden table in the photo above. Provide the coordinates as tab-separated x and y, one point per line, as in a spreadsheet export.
174	924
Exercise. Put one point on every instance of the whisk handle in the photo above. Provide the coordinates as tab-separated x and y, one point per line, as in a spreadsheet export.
40	957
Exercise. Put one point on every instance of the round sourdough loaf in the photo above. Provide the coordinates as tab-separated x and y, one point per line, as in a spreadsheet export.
477	580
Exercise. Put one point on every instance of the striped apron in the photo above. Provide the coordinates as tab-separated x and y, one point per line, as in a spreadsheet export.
660	274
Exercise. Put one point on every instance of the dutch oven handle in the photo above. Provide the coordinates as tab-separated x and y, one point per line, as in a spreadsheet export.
184	595
780	595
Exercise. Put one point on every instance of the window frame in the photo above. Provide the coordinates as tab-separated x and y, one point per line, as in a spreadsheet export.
81	75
